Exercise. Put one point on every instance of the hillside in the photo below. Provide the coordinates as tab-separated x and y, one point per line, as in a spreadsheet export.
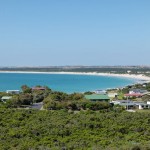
32	129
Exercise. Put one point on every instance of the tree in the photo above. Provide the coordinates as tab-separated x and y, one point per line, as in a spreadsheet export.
88	93
38	96
14	102
26	89
26	99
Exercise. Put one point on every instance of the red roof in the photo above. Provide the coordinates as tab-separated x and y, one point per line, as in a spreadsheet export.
38	88
133	94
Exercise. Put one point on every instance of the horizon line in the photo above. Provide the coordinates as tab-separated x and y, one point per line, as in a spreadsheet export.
80	66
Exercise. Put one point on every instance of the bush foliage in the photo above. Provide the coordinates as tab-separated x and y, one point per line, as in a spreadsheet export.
93	130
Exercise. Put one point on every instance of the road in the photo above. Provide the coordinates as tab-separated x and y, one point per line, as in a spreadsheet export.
37	105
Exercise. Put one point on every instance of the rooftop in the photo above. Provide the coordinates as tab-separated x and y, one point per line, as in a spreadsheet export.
128	102
38	88
97	97
6	97
133	94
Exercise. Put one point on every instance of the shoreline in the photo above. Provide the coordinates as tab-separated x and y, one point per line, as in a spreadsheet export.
138	77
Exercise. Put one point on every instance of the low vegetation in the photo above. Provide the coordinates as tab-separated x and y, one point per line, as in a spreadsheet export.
33	129
52	100
70	122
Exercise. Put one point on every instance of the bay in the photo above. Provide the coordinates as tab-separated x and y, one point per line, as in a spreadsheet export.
68	83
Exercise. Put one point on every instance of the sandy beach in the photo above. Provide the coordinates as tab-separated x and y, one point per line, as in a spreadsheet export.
139	77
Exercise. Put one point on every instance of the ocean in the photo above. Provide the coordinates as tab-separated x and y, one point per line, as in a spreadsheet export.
68	83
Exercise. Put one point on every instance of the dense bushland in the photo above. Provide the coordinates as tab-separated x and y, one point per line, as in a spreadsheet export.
58	129
52	100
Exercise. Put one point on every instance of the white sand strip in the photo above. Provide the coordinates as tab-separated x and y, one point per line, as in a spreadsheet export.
133	76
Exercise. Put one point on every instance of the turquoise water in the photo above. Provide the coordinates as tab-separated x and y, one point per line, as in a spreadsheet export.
61	82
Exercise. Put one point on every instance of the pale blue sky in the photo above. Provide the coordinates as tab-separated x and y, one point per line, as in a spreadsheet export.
74	32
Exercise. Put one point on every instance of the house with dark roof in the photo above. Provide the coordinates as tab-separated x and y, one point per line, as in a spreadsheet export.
128	104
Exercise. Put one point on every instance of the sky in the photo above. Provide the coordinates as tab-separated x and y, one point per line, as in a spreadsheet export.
74	32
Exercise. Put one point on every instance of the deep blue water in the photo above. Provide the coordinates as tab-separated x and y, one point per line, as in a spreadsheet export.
61	82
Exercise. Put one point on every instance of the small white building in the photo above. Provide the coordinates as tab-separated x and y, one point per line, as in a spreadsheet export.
13	91
5	98
142	105
100	92
148	102
112	95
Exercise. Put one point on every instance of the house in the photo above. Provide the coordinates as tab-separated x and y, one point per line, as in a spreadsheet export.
97	97
133	95
142	105
112	94
137	91
38	88
116	102
13	91
128	104
5	98
100	91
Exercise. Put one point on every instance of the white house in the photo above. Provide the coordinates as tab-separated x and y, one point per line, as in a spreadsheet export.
13	91
100	91
112	95
5	98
